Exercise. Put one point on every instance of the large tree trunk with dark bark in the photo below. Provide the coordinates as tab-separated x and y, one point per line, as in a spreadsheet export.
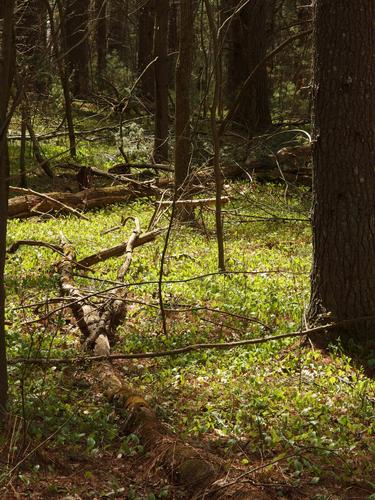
343	276
6	76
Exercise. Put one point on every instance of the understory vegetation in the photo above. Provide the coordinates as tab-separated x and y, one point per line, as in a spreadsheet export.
301	419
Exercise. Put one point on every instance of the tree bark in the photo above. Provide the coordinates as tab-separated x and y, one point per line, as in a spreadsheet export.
101	40
173	41
183	87
343	274
31	205
161	81
247	47
31	39
118	36
145	47
60	52
6	77
77	49
217	71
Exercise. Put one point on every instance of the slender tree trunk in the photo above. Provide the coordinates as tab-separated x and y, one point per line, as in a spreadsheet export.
247	47
215	108
60	50
77	49
6	76
145	47
343	275
173	41
161	81
183	87
101	40
23	176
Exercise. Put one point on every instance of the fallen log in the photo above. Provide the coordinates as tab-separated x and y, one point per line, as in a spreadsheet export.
34	203
193	469
290	165
117	251
199	472
124	168
94	171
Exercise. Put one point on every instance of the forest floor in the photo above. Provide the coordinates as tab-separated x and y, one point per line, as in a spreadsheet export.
284	417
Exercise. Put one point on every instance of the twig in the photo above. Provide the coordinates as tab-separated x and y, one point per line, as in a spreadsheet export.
195	203
34	243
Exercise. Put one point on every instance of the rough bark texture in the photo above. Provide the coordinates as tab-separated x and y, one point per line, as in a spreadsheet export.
76	32
183	86
31	205
6	75
192	468
145	47
247	47
173	40
101	39
31	39
343	275
161	81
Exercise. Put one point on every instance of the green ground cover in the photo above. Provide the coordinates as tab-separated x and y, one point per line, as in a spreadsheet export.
284	401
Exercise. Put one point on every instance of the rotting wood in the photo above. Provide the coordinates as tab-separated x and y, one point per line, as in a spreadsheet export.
94	171
32	204
49	199
124	168
194	469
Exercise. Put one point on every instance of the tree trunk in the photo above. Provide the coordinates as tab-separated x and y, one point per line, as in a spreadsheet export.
31	36
343	275
145	47
183	86
118	20
60	53
101	40
6	76
247	47
161	81
77	49
173	41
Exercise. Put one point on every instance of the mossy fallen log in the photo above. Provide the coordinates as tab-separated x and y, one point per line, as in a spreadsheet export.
192	468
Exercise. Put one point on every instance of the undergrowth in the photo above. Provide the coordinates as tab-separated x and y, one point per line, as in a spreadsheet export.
308	414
